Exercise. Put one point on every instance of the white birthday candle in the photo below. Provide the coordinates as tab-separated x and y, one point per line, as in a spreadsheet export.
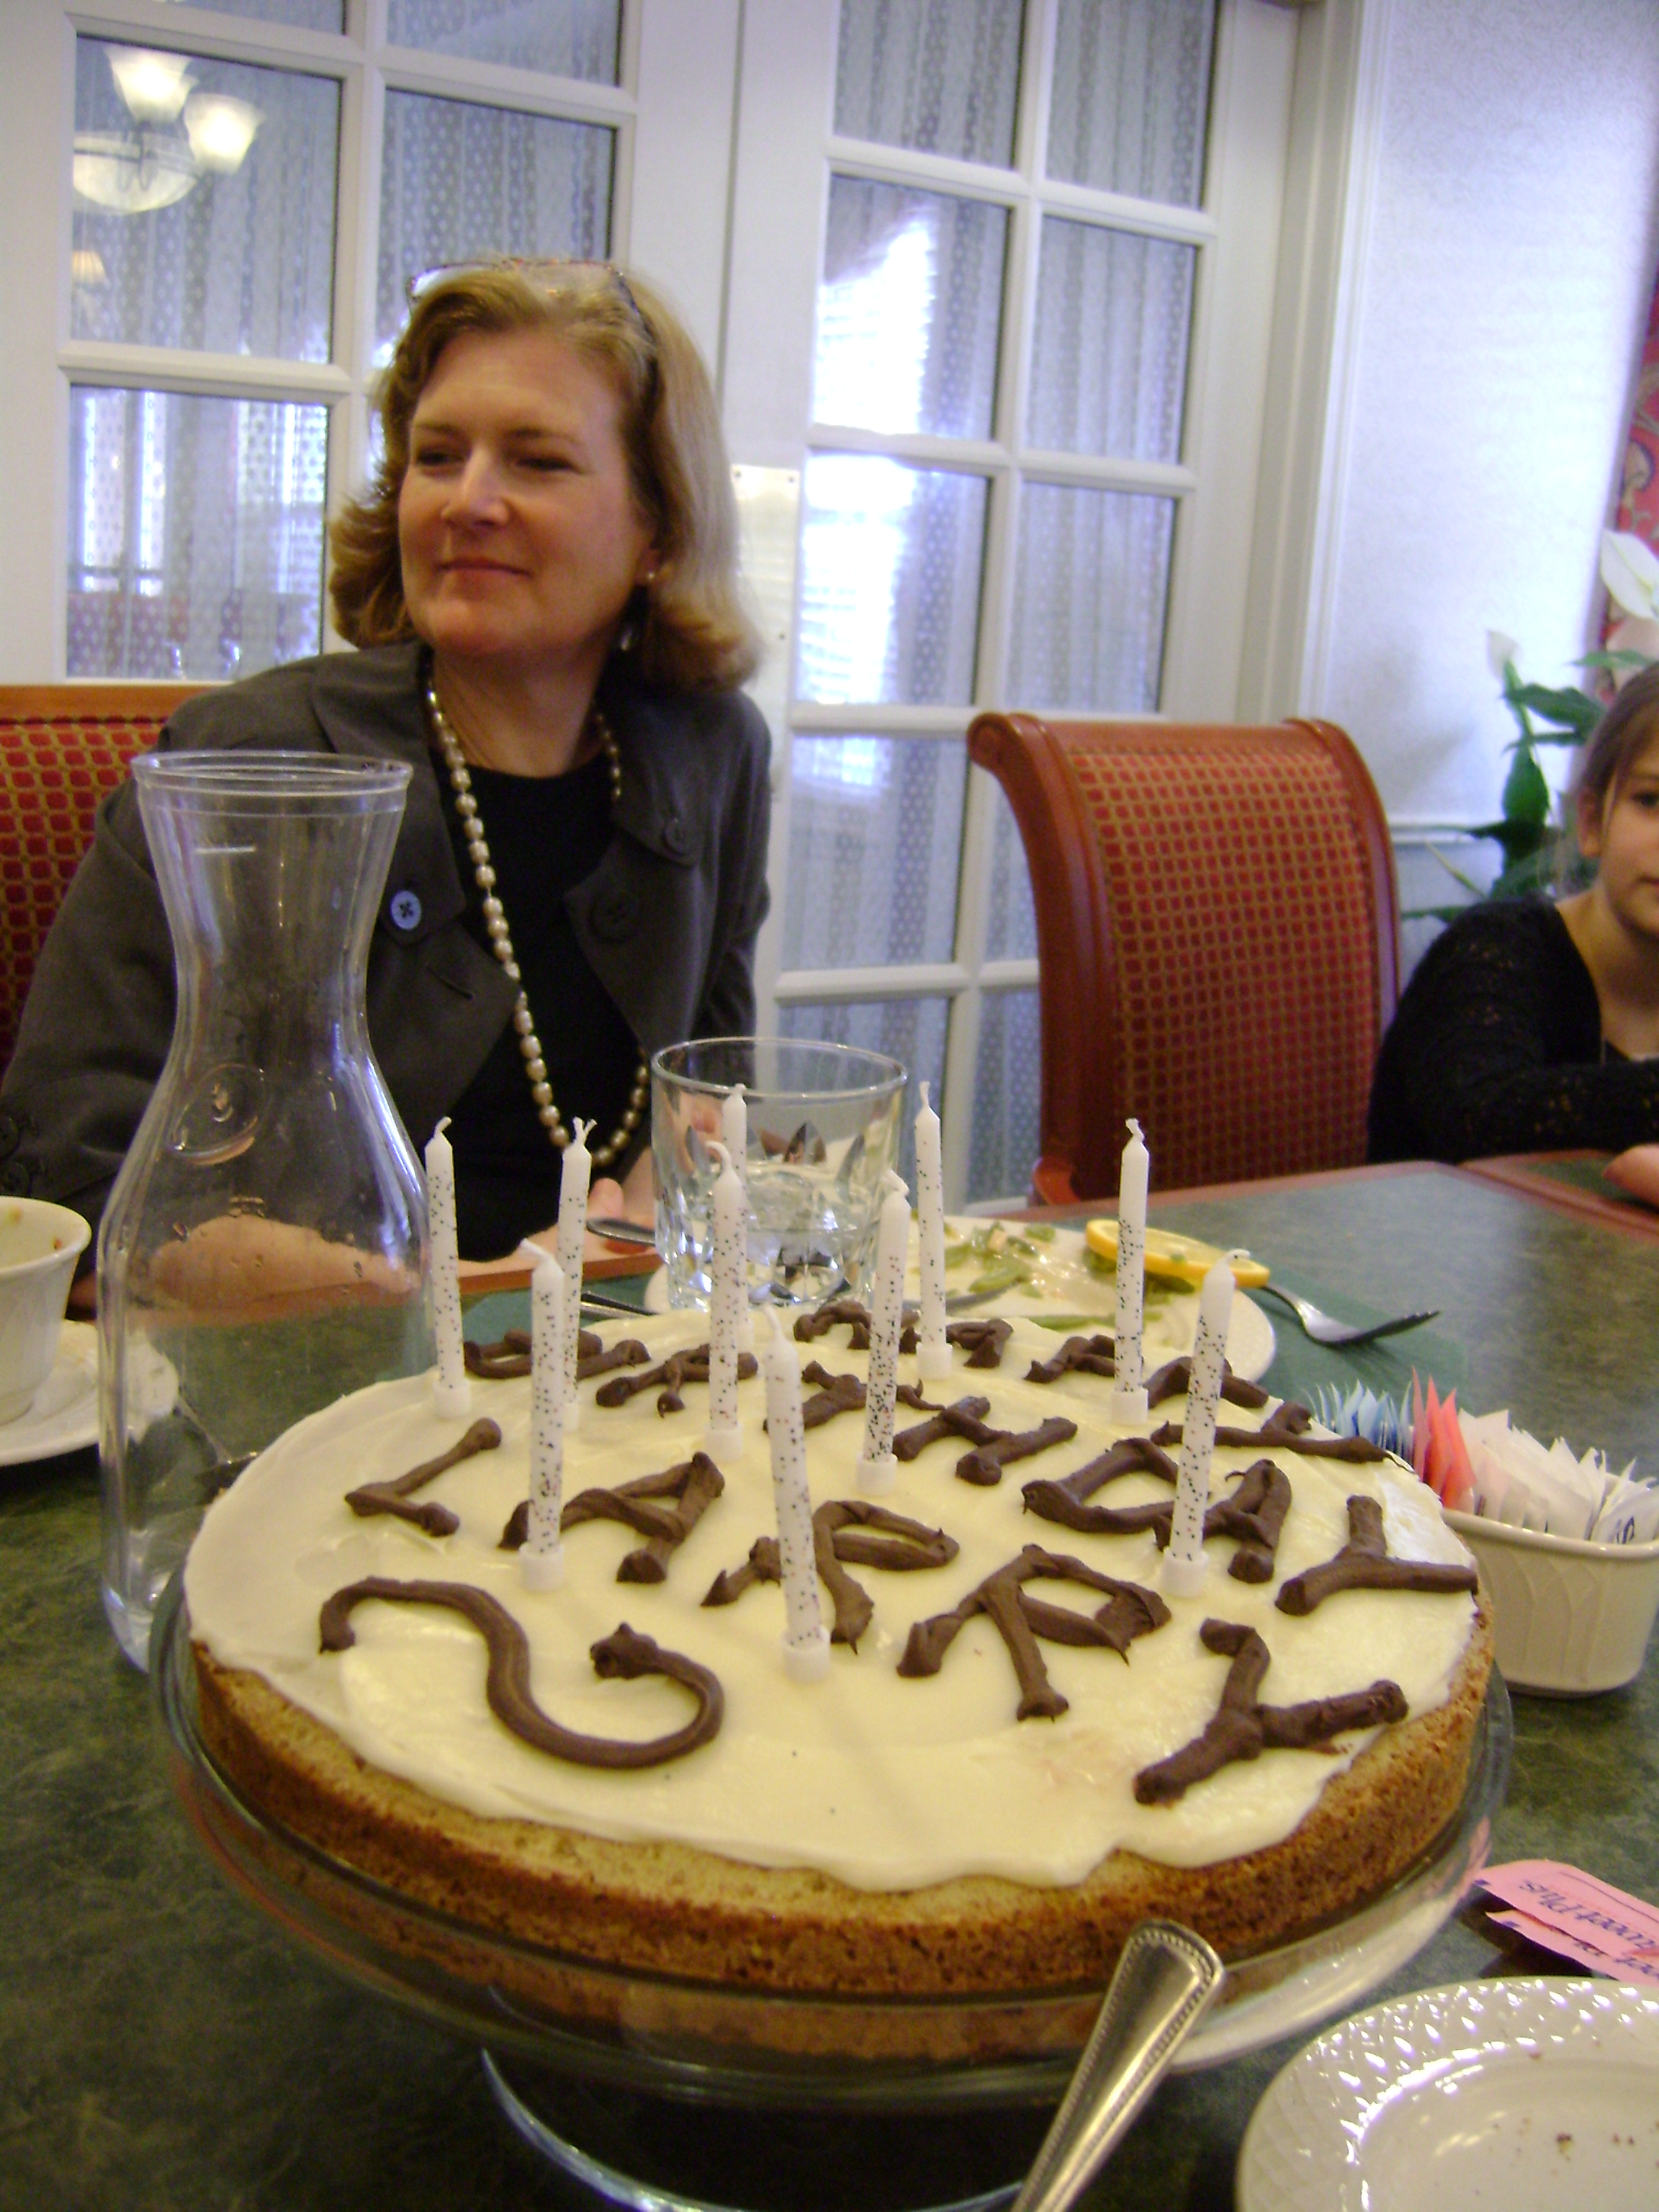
452	1391
933	1352
734	1135
1184	1563
877	1468
1129	1394
728	1214
574	1177
805	1638
541	1560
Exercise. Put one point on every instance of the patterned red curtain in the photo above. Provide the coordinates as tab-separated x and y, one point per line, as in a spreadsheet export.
1638	491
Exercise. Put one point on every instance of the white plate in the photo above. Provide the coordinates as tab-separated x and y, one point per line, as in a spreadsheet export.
1534	2096
1063	1284
65	1414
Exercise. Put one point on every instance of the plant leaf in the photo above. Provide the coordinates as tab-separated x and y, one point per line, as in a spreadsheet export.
1526	794
1567	704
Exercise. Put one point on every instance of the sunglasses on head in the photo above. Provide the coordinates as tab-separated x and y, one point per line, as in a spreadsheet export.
531	267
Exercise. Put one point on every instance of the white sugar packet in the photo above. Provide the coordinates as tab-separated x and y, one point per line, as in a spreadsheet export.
1517	1480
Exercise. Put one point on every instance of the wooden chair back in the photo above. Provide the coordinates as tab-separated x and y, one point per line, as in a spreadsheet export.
1217	935
63	746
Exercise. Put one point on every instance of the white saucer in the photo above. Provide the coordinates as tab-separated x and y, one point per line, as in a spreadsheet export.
65	1414
1534	2096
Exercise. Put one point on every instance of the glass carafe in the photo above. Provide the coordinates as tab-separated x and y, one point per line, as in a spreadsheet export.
263	1250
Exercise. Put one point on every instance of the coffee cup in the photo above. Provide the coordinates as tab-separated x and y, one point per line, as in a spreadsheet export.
39	1244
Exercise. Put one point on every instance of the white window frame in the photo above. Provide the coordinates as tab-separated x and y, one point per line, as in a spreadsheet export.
781	204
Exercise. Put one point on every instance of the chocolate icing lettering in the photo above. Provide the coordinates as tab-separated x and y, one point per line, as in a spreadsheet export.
982	1339
499	1363
1364	1563
677	1369
693	1485
1021	1619
984	1464
1171	1380
851	1529
965	1418
1243	1728
1079	1355
1253	1515
392	1496
1285	1430
624	1654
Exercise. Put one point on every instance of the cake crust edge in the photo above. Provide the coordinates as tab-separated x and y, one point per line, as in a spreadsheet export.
672	1909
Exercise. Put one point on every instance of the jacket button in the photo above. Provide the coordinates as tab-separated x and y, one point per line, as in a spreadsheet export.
614	915
9	1133
405	911
674	837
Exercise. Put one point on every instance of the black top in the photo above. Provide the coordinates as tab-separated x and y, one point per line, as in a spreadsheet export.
1497	1047
546	834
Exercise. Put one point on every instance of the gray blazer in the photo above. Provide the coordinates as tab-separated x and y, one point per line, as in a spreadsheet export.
667	920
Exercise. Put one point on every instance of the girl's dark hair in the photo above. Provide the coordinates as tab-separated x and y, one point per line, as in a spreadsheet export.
1614	743
693	633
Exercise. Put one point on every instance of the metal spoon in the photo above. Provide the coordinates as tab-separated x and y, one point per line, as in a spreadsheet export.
620	1231
1164	1983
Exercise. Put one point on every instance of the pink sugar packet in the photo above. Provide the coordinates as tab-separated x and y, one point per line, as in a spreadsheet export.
1571	1912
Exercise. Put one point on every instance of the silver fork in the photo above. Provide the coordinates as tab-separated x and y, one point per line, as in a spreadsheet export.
1325	1329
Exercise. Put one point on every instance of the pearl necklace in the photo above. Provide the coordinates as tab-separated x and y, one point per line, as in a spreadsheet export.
501	941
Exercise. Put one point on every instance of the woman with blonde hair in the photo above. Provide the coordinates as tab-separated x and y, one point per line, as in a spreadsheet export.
541	582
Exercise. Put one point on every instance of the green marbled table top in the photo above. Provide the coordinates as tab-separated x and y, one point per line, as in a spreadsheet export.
163	2045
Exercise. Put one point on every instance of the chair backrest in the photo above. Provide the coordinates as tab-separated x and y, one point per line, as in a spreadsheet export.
1217	936
62	747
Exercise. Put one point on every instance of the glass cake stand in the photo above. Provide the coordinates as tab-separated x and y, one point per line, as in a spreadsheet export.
637	2084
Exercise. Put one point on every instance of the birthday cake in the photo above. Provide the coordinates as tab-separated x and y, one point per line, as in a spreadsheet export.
1021	1748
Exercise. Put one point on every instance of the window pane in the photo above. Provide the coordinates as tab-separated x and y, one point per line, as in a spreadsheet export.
563	37
1007	1098
1010	916
939	76
186	233
196	533
1131	91
907	1030
875	836
460	182
908	311
1089	588
1109	365
890	560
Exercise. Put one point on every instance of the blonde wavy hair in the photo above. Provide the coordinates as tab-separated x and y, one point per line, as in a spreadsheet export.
690	630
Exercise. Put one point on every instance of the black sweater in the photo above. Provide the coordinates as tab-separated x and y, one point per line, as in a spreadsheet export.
1497	1047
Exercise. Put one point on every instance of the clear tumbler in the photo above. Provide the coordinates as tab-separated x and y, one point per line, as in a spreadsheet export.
263	1250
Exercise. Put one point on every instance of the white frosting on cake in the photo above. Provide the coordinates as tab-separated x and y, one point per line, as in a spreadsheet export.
883	1782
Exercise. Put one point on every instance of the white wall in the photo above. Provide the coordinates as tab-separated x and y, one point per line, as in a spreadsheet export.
1509	197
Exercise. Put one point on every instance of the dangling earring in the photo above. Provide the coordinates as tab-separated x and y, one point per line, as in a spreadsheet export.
635	614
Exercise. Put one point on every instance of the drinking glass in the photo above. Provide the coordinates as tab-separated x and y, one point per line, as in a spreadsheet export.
263	1250
822	1128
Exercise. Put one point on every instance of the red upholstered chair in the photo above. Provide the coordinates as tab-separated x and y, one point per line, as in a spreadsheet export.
1217	933
62	747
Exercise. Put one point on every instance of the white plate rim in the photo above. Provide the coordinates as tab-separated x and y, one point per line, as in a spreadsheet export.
1251	1344
34	1436
1303	2150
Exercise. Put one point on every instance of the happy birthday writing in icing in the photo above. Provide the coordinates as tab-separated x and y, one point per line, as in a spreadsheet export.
1020	1619
693	1485
1364	1563
669	1379
1243	1728
392	1497
994	1448
982	1340
846	1531
624	1654
501	1362
1254	1514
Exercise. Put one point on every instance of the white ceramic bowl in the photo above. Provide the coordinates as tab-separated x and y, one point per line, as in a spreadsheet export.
1571	1618
39	1244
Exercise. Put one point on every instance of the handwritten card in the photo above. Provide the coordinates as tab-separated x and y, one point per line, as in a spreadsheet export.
1569	1912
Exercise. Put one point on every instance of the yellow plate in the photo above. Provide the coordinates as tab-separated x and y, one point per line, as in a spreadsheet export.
1183	1258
